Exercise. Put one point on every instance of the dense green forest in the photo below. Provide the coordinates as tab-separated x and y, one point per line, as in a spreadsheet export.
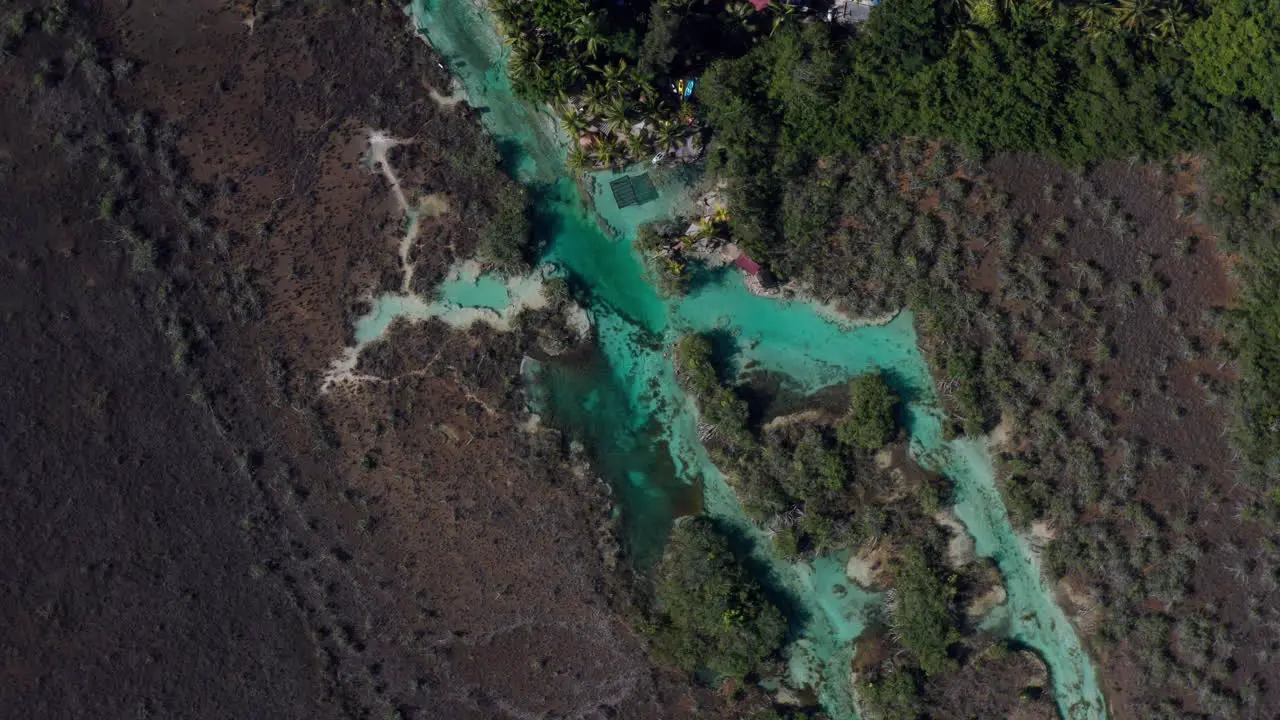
1077	81
1082	82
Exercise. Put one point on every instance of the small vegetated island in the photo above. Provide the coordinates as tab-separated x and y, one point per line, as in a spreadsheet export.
838	475
1078	202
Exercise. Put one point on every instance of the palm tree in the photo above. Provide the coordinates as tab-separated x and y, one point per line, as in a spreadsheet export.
587	31
520	44
741	14
1134	15
638	146
576	122
578	160
1170	22
642	84
782	13
668	134
1046	8
1094	17
608	151
615	76
595	100
524	66
618	114
507	14
568	75
648	105
1019	13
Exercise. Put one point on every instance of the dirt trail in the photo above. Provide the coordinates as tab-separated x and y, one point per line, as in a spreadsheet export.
380	143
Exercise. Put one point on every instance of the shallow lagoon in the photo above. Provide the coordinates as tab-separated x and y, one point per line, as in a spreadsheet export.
642	431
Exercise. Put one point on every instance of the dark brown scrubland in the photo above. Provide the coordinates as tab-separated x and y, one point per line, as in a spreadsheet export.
194	530
128	588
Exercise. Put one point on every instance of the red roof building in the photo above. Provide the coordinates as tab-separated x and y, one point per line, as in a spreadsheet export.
747	265
759	5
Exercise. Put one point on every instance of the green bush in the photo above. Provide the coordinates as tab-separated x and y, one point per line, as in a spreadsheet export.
815	468
923	617
786	544
710	613
504	239
896	696
870	423
720	407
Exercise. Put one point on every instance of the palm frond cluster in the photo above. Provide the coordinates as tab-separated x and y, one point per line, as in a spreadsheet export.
562	53
614	129
598	70
1148	20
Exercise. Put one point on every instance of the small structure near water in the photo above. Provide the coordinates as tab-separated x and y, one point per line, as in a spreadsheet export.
848	12
747	265
758	278
631	190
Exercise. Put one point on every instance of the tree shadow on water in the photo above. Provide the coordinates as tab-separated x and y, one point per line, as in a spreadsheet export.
773	586
701	276
909	394
724	348
511	155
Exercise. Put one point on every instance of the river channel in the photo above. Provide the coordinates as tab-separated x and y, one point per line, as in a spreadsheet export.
624	402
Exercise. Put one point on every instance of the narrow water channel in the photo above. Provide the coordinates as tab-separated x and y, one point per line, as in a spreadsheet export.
625	403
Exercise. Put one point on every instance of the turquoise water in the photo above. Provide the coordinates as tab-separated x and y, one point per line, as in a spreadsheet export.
465	295
485	291
387	308
624	402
